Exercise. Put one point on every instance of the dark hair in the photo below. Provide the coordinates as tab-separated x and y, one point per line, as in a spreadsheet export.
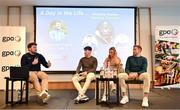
88	48
31	44
138	46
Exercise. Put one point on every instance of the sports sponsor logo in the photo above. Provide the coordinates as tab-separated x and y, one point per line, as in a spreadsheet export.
11	38
168	32
11	53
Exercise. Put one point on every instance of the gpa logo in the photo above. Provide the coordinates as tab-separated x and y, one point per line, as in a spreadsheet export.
5	68
168	32
11	38
11	53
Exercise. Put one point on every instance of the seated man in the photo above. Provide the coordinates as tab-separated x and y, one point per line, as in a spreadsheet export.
33	61
136	67
89	65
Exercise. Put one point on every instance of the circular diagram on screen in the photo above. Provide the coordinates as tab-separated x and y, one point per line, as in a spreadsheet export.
90	40
104	32
58	30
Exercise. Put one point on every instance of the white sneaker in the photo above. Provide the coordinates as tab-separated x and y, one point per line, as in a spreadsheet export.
124	100
46	99
81	97
103	98
43	95
113	88
145	102
84	98
78	97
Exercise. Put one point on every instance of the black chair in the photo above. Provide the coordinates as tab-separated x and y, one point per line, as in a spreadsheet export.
17	74
132	81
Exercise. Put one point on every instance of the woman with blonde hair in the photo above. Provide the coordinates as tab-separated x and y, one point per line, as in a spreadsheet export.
112	62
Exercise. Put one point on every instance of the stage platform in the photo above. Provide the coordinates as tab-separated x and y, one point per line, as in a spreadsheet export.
63	99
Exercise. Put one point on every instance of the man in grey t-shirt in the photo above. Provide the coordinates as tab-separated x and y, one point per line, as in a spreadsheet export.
88	65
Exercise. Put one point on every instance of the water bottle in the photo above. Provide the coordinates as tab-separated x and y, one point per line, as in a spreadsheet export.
102	72
111	73
105	73
115	72
18	94
108	71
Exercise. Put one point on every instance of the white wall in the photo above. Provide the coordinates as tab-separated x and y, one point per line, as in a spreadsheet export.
27	19
3	15
144	38
160	16
165	16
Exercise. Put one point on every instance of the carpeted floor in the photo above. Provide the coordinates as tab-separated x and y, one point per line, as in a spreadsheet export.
63	99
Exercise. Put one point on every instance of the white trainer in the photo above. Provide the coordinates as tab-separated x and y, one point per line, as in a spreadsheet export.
84	97
124	100
103	98
145	102
43	95
81	97
113	88
45	100
78	97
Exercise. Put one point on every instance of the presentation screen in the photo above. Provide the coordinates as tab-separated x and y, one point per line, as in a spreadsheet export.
62	32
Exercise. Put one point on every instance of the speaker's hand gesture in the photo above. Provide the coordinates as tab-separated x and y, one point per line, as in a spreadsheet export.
36	61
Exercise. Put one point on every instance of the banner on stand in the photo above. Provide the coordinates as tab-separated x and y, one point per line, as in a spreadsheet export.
167	55
12	46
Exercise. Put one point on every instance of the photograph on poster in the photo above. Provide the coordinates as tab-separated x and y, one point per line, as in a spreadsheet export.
167	63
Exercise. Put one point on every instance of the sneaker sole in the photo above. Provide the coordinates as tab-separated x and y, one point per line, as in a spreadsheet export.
43	96
145	106
124	103
103	100
76	102
46	100
83	101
